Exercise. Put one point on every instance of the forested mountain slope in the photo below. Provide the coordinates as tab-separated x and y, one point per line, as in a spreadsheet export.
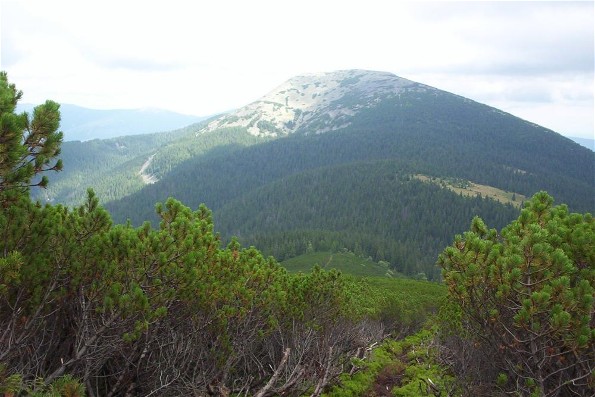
118	167
342	175
111	166
373	209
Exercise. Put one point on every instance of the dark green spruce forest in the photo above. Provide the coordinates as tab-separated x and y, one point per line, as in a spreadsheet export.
373	259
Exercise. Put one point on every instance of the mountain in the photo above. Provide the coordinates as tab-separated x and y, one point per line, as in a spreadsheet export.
352	160
83	124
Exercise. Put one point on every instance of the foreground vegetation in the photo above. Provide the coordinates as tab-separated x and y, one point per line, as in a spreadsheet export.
525	298
124	310
92	308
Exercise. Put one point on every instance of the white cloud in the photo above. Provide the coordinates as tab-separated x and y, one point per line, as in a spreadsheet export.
535	58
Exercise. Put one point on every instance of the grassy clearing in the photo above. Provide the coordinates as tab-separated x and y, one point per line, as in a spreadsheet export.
346	262
470	189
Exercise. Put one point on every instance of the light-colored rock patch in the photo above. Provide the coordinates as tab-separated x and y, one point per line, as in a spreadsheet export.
302	102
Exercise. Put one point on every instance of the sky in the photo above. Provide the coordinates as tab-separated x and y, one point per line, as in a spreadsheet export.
534	60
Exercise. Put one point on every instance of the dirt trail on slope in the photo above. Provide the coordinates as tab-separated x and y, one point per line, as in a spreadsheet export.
147	178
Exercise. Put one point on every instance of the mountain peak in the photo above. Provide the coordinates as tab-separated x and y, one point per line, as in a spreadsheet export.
299	104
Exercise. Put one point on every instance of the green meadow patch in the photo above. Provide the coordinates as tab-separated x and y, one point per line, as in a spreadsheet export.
346	262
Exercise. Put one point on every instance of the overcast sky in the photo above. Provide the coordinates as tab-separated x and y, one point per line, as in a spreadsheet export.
532	59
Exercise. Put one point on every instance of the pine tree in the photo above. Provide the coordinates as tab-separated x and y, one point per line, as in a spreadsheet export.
28	146
525	297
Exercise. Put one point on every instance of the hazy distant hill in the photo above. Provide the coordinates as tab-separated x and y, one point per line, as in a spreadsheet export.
357	160
83	124
588	143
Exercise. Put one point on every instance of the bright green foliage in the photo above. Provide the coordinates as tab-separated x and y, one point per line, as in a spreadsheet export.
362	380
65	386
406	367
526	297
423	375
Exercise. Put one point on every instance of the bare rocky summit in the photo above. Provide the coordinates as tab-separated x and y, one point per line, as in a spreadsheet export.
315	103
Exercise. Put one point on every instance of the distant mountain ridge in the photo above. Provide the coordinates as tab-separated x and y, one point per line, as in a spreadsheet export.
586	142
84	124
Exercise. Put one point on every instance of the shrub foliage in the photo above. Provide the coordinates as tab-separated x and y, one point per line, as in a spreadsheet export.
524	297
